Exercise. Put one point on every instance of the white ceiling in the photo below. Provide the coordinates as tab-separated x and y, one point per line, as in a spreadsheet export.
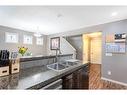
56	19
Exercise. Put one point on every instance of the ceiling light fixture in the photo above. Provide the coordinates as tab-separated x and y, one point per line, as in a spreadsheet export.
114	14
37	34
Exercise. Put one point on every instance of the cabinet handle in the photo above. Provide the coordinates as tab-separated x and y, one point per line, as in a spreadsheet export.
4	71
15	69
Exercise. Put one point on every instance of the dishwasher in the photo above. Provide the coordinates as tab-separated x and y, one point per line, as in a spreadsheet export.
54	85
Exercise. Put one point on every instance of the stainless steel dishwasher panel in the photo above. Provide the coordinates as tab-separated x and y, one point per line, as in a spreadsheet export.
54	85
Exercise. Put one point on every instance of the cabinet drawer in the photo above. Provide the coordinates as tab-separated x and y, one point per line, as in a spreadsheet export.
4	71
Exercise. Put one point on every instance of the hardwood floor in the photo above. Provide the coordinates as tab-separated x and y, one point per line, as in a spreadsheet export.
95	81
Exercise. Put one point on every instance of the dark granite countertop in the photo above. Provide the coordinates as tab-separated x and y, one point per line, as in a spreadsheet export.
35	77
31	58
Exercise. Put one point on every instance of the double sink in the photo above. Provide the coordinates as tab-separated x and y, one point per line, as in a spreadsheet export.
60	66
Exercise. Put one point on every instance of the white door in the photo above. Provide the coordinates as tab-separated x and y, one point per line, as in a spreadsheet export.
95	50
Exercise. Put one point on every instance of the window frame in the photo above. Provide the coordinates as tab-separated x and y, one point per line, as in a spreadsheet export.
41	44
26	41
10	41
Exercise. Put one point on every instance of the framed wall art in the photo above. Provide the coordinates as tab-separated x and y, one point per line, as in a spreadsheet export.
115	48
55	43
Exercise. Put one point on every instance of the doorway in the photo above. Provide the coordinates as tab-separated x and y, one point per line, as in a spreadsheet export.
92	47
92	50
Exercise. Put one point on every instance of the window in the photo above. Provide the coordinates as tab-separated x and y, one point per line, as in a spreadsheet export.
27	39
39	41
11	37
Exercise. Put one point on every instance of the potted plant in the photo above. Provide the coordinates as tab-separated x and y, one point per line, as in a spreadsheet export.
22	50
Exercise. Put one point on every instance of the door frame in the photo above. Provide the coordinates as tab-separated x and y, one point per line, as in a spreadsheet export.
85	34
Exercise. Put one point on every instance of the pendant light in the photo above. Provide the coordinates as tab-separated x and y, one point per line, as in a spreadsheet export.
37	34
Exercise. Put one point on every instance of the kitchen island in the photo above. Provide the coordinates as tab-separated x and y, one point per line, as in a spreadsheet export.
38	77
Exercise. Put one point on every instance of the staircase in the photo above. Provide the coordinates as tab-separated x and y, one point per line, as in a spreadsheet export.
76	42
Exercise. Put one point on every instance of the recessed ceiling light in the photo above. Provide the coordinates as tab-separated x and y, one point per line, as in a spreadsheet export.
114	14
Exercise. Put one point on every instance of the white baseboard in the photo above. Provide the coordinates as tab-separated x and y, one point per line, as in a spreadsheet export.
117	82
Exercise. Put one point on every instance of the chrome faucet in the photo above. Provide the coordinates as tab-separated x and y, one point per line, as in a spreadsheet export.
58	52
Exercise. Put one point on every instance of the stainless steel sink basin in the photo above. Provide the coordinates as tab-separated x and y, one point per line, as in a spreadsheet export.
56	66
61	66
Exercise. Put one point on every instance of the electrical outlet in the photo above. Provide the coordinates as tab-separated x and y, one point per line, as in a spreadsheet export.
109	73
